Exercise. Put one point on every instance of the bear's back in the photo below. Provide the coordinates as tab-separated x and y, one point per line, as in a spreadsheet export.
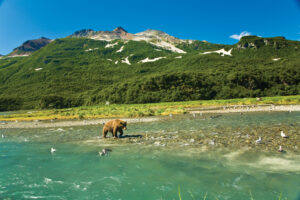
115	123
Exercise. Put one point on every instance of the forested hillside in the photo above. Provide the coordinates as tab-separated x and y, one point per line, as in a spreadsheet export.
80	71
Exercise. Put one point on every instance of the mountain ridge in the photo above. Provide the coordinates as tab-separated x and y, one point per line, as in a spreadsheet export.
30	46
154	37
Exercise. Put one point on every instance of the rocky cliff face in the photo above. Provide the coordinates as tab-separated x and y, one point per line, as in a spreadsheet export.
118	33
30	46
258	42
83	33
155	37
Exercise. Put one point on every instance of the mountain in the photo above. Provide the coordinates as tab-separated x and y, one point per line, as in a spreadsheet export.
118	33
30	46
85	69
154	37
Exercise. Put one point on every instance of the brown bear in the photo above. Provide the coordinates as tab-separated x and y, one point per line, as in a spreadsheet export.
114	126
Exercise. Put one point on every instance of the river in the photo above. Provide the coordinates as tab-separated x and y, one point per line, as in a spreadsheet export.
203	157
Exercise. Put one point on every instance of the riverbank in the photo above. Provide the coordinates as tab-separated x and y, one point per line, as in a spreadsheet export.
189	132
209	133
67	123
209	111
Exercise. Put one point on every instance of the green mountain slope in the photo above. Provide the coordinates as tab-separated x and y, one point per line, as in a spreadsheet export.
80	71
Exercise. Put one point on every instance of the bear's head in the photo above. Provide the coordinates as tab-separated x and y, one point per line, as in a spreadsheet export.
123	125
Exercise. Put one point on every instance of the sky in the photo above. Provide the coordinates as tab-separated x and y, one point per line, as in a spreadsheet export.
216	21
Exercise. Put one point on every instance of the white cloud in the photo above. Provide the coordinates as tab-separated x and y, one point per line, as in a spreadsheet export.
242	34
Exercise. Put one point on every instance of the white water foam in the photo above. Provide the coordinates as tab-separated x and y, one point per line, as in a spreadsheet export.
47	180
115	179
41	197
280	163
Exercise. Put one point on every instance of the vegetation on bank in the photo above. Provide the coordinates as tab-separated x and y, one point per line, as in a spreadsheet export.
140	110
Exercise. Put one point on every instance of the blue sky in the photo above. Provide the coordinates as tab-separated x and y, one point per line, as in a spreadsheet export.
216	21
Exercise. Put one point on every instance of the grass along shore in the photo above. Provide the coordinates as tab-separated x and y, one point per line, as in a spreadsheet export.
153	109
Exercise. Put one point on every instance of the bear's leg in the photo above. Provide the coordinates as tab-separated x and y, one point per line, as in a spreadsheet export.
115	133
121	132
105	133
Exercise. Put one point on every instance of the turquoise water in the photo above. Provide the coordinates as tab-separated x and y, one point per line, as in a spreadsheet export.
137	171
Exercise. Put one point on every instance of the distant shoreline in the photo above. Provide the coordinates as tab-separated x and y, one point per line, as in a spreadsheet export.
194	111
249	108
69	123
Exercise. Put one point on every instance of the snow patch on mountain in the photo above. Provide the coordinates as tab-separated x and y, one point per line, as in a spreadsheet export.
101	37
276	59
91	49
151	60
111	45
13	56
141	38
121	49
22	55
168	46
126	61
222	52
